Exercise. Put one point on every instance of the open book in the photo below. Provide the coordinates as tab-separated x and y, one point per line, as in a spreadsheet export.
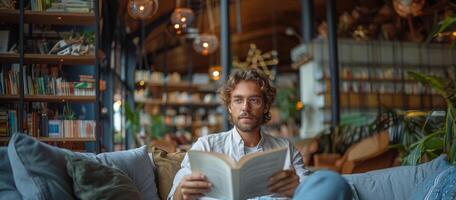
246	179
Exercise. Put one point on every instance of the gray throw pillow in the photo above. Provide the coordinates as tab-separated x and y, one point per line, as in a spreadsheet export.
39	169
8	189
136	163
92	180
396	182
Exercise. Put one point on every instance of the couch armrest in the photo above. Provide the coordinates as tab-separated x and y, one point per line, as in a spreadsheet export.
379	160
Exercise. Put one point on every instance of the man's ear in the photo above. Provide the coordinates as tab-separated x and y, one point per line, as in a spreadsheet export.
229	109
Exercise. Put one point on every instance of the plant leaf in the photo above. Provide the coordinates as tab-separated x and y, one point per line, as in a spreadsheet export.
448	21
436	83
434	143
414	156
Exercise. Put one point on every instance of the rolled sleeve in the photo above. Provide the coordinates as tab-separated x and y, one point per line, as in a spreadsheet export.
298	163
185	166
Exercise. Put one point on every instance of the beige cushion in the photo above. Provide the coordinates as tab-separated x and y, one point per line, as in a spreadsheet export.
166	165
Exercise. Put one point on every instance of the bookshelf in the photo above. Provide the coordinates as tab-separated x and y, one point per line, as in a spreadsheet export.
52	18
185	107
158	102
373	75
38	87
48	59
49	139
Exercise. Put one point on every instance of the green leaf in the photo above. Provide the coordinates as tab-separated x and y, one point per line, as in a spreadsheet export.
414	156
433	143
436	83
448	21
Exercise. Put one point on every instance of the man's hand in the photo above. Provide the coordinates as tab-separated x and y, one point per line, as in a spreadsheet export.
284	183
192	186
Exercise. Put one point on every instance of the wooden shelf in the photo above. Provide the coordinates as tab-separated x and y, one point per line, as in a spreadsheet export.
372	79
52	98
48	59
51	139
388	100
184	87
48	98
42	17
4	98
156	102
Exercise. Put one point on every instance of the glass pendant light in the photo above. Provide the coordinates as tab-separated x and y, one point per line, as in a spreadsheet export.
205	43
181	19
142	9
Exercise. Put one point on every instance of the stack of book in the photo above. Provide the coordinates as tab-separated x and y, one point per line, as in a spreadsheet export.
51	85
9	81
77	6
8	122
70	129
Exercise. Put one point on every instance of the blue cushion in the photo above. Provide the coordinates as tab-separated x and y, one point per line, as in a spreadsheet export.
39	169
7	187
440	186
396	182
135	163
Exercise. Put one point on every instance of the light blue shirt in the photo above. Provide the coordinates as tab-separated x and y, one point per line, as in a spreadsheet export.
230	143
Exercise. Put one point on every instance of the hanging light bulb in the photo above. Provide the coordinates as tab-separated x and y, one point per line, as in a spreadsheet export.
142	9
205	44
182	18
215	72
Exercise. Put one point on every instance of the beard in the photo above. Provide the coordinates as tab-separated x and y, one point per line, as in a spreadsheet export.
254	122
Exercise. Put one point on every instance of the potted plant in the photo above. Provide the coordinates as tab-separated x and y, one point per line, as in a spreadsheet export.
433	138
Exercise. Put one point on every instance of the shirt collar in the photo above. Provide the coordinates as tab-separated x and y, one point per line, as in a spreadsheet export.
238	139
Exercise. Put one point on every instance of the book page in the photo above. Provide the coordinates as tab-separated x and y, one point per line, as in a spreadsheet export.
216	169
257	169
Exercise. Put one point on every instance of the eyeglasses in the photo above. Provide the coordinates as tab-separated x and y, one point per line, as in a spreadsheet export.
252	101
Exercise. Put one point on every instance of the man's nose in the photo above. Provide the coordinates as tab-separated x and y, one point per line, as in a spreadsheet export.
246	105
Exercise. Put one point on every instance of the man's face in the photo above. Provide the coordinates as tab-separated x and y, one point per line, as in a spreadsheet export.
247	107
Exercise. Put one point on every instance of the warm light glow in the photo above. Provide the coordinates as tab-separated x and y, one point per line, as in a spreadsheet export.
416	113
205	43
299	105
142	9
141	83
183	17
454	34
215	72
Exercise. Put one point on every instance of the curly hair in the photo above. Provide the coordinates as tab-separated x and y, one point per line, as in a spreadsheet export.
268	91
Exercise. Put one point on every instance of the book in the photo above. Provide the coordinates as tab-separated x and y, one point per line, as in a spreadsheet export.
238	180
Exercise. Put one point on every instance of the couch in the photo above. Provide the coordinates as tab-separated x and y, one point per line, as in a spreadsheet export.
31	169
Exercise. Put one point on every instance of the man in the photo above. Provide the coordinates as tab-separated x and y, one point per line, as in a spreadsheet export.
248	95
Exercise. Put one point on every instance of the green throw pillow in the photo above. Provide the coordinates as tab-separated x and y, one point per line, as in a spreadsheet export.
92	180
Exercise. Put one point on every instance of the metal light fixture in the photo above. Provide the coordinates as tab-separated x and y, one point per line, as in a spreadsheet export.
205	44
181	19
142	9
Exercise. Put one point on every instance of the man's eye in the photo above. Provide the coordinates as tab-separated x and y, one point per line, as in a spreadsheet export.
237	101
255	101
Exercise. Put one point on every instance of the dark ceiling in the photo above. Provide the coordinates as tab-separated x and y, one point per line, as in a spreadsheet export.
262	22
